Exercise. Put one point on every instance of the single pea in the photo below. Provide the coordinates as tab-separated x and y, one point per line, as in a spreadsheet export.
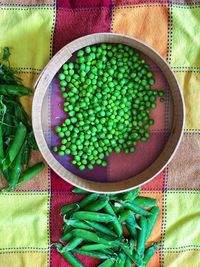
61	76
55	148
81	167
67	151
61	153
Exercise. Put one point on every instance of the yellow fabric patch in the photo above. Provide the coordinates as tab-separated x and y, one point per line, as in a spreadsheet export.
190	82
24	259
183	259
24	218
27	34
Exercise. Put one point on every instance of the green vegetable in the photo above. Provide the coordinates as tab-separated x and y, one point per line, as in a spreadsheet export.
152	220
93	216
145	201
98	233
15	146
15	90
141	236
107	97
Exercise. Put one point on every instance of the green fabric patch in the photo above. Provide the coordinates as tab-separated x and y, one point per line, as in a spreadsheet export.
27	34
185	36
182	219
24	220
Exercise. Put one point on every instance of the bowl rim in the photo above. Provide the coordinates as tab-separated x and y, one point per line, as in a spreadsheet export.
174	139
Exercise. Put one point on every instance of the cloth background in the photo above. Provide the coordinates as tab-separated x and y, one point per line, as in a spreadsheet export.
35	30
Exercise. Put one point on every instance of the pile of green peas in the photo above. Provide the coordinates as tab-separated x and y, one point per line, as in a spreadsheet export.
108	98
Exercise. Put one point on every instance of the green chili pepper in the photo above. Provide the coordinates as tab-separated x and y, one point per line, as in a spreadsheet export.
30	172
106	263
116	225
68	208
155	211
95	247
80	191
141	236
102	228
73	243
93	216
98	204
93	254
15	90
136	209
90	236
149	252
15	146
145	201
87	200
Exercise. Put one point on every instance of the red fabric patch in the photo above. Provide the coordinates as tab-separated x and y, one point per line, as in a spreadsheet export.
58	200
82	3
156	183
71	24
58	260
58	184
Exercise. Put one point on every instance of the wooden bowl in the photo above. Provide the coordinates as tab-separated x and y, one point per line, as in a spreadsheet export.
40	114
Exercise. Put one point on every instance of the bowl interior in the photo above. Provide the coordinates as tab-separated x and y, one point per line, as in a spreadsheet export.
120	166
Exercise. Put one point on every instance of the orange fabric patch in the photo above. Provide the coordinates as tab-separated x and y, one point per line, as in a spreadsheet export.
147	23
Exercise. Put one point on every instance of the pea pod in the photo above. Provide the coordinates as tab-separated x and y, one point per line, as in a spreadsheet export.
115	224
106	263
141	236
149	252
1	145
102	228
145	201
131	226
124	215
67	228
128	262
27	154
30	172
131	195
136	209
66	237
91	247
155	211
73	243
79	224
121	260
97	205
87	200
93	216
93	237
15	146
69	257
65	209
15	90
16	167
80	191
93	254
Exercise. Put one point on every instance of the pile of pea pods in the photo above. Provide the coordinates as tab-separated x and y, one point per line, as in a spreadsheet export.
113	228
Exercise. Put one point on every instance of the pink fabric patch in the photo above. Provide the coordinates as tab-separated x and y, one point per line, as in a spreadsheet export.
138	2
71	24
82	4
124	166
